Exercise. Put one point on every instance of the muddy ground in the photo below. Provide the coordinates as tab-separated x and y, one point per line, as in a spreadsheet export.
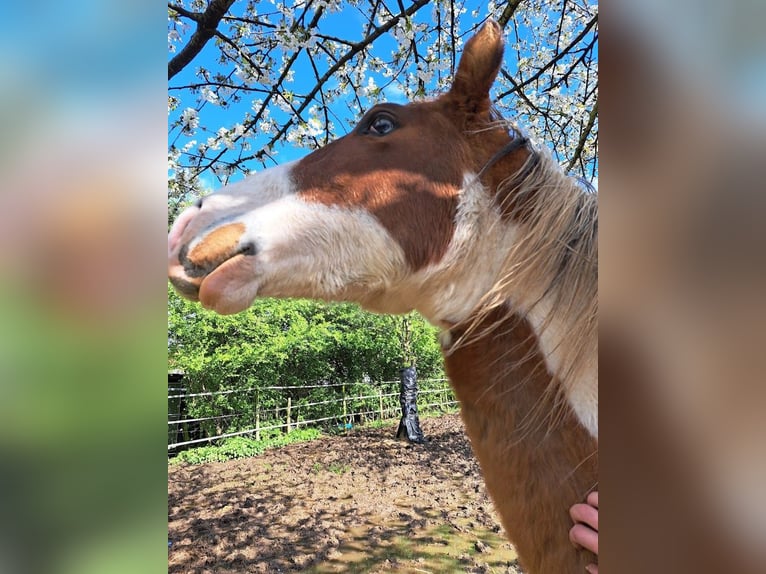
360	502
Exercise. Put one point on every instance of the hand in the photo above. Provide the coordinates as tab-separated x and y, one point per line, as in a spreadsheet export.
585	531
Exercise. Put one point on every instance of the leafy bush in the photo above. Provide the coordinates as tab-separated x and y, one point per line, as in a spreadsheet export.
289	343
243	447
294	342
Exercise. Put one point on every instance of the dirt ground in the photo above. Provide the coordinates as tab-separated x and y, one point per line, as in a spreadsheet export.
360	502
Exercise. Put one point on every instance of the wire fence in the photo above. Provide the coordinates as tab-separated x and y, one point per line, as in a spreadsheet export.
196	418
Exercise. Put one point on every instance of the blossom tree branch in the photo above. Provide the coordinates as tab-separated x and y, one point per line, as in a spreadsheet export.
355	49
207	23
507	14
556	58
584	137
290	77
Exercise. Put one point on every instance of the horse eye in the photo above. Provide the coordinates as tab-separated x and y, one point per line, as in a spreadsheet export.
381	125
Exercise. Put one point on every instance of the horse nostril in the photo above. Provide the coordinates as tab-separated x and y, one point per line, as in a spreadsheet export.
183	255
190	268
248	249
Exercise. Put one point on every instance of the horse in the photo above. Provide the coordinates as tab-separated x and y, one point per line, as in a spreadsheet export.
443	207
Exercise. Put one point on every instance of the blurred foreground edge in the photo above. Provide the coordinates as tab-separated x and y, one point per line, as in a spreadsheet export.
681	305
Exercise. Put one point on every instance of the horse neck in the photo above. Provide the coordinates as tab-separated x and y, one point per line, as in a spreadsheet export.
537	459
550	274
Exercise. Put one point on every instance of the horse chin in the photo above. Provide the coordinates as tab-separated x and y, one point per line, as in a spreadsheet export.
230	287
184	287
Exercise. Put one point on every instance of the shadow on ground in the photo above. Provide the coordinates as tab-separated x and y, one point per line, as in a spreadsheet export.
361	502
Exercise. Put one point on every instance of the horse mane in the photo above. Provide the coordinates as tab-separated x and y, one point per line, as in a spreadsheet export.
551	269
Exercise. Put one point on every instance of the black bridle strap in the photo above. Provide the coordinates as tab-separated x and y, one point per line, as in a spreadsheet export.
510	147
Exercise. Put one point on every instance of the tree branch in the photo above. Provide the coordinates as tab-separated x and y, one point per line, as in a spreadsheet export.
239	50
207	22
275	89
519	91
198	85
580	59
584	136
255	21
196	16
555	59
357	47
510	8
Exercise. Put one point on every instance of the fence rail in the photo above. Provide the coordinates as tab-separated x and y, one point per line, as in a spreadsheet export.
201	417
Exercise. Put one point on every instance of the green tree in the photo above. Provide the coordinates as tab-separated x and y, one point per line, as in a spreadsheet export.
311	347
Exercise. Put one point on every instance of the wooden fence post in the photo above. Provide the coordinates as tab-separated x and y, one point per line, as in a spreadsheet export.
289	408
380	401
257	417
345	412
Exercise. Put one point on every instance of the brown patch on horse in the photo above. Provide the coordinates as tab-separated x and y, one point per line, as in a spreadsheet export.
537	459
407	179
215	248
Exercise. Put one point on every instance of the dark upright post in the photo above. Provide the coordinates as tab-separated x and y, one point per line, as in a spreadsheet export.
409	426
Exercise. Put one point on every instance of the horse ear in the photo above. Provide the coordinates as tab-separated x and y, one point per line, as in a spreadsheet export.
478	68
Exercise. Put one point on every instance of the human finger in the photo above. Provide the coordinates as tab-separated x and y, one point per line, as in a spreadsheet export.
581	535
586	514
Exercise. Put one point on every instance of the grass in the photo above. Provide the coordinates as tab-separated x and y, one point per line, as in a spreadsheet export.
242	447
338	469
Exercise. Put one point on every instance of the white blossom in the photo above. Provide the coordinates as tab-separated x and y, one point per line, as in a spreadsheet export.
226	137
173	38
370	89
189	120
238	130
425	76
209	95
314	127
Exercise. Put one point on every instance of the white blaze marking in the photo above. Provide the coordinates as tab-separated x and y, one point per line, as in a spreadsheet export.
303	249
